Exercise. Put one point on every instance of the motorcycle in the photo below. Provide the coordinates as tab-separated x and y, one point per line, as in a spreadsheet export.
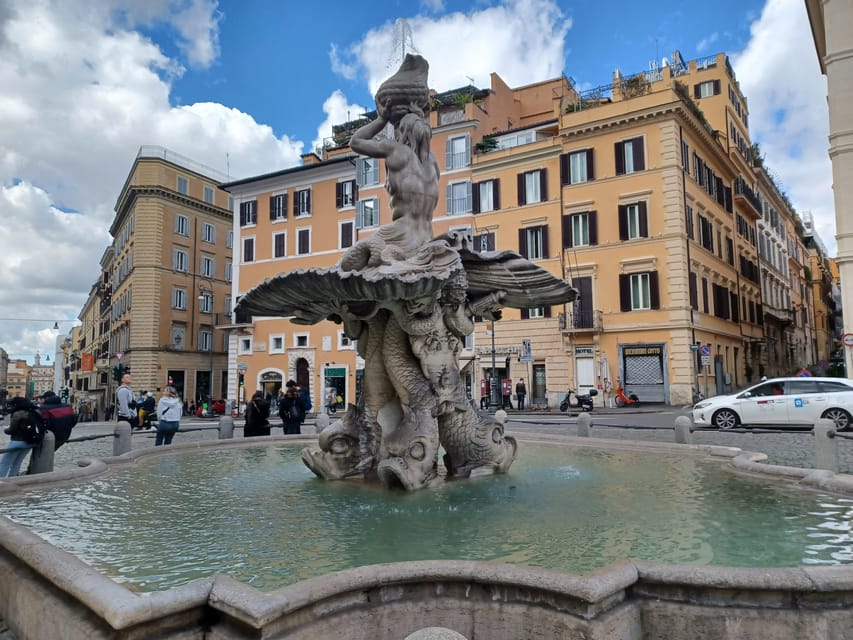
583	402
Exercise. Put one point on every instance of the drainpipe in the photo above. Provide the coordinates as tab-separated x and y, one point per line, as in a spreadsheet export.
687	249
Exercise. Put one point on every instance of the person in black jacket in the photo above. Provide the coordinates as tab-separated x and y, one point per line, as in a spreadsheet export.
59	417
257	416
17	448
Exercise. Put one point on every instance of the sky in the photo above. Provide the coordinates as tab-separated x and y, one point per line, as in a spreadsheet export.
247	86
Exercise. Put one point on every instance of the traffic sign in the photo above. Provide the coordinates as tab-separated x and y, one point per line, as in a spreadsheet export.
706	360
705	350
694	347
119	355
847	339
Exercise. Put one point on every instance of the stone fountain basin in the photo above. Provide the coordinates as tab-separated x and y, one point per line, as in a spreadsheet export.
46	592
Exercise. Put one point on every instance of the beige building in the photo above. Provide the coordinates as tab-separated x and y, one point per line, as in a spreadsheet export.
831	22
18	379
4	371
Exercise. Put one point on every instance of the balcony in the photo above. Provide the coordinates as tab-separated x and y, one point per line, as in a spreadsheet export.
581	321
230	320
782	316
744	195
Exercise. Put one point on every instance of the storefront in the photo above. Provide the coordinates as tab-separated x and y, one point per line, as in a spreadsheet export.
642	371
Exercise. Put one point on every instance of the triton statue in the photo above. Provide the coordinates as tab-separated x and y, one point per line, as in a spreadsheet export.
409	299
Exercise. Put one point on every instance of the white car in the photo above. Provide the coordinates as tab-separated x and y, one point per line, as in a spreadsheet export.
781	401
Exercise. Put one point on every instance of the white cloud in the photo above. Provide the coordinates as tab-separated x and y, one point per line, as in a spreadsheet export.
705	43
522	40
81	93
787	109
337	111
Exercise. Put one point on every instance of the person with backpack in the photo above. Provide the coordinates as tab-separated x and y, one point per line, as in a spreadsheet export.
257	416
127	402
19	426
59	418
291	409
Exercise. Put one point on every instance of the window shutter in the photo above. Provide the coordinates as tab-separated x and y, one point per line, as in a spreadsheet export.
654	290
624	292
525	314
565	175
346	235
716	87
644	220
449	199
303	242
735	307
295	203
448	154
547	311
593	227
242	216
566	224
522	242
339	195
590	164
543	185
545	253
522	194
620	158
359	215
272	207
623	222
284	205
467	151
468	197
308	201
728	198
496	193
694	293
639	155
697	91
475	197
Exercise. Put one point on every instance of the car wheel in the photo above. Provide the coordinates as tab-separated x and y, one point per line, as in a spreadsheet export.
840	417
725	419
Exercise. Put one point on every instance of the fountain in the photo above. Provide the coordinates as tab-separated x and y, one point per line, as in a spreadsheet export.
409	299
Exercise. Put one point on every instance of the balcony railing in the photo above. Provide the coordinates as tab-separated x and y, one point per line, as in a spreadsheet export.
580	320
743	190
229	319
780	315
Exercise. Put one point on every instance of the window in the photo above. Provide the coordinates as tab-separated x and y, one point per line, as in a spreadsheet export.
458	198
694	292
346	231
278	207
277	343
300	340
303	242
536	312
345	194
633	221
458	152
228	272
248	249
279	245
208	233
533	242
180	260
182	225
227	308
639	291
244	345
248	213
183	185
205	340
344	342
577	167
367	213
580	229
208	267
367	171
179	298
178	336
688	214
208	195
229	240
205	302
532	187
484	242
302	203
630	156
485	196
706	89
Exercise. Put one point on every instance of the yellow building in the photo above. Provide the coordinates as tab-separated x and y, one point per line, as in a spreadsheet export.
644	193
18	379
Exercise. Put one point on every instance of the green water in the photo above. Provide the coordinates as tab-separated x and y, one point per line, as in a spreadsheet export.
260	516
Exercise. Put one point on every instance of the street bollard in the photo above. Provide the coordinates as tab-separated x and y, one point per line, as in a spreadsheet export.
826	452
500	417
321	422
41	460
584	424
226	427
121	442
683	434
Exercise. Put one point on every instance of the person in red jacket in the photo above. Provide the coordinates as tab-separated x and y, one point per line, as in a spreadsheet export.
60	417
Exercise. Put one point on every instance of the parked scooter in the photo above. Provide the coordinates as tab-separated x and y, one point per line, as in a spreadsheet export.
583	400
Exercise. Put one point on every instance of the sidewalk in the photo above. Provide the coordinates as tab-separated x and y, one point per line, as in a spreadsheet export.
642	408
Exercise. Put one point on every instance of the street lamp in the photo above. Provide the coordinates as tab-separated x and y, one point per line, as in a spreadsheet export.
493	387
206	289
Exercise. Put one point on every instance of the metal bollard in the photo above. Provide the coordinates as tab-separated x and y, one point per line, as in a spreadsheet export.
226	427
121	442
683	434
584	424
321	422
41	460
826	452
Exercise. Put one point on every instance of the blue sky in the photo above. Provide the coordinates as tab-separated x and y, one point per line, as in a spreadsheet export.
259	82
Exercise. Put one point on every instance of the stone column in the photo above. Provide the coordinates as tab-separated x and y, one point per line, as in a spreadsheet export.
121	442
41	460
826	451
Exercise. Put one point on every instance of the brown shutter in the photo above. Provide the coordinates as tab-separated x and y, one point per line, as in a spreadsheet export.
308	201
339	195
639	156
547	311
566	230
590	164
716	87
694	293
593	227
620	158
242	216
272	207
522	242
654	290
525	314
543	185
475	197
496	193
697	92
623	222
644	220
545	253
295	201
522	194
565	175
624	292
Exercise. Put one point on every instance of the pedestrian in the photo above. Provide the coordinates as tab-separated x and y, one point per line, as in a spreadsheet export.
169	411
257	416
59	418
305	396
148	410
192	408
291	409
127	402
16	449
520	393
108	412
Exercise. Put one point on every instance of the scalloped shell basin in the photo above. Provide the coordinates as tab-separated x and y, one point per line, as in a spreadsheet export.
258	515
